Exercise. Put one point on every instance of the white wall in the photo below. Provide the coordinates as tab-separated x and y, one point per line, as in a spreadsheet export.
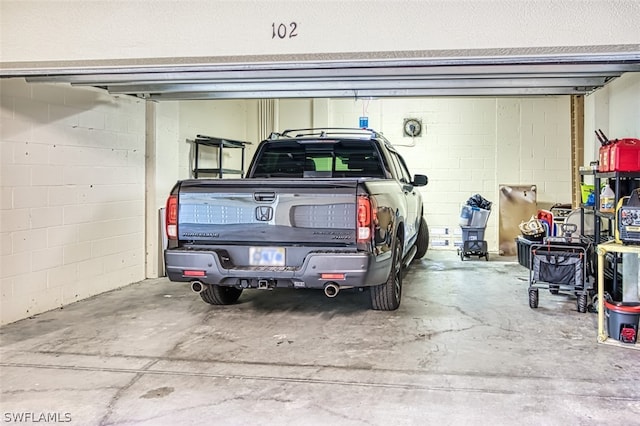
233	119
170	128
144	29
168	151
624	106
72	195
472	145
295	114
162	172
615	109
72	180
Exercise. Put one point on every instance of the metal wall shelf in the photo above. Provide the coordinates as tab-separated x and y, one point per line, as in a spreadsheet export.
605	215
220	144
600	237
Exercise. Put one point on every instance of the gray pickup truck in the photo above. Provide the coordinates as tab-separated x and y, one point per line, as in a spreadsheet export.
327	209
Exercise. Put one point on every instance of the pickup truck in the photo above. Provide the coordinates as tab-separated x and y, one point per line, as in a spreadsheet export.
327	209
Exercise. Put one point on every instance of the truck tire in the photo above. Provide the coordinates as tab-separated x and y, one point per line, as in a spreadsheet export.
386	297
220	295
422	243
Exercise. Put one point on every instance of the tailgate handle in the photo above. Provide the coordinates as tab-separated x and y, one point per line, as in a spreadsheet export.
264	197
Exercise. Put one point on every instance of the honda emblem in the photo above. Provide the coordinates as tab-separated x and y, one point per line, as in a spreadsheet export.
264	213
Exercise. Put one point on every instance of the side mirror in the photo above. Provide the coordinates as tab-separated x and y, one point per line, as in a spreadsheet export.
420	180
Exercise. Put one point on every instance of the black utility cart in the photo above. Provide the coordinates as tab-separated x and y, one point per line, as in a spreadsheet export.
559	264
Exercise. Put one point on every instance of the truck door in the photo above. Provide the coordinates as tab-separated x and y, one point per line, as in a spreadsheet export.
412	197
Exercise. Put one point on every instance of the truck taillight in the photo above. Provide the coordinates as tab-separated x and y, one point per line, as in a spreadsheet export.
364	220
172	217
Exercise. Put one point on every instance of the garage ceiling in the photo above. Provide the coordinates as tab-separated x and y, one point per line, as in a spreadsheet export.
527	75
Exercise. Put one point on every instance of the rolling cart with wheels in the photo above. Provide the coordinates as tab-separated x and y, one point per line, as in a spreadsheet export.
473	243
559	267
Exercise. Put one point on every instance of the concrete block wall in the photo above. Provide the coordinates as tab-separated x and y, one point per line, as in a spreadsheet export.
72	195
168	149
233	119
469	145
72	175
615	109
162	172
473	145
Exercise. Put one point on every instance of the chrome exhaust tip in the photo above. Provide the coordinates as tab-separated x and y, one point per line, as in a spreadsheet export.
197	287
331	290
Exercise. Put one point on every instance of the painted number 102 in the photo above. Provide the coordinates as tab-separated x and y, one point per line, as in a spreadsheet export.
283	31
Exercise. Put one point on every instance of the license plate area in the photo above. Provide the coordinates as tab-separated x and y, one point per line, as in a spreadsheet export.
266	256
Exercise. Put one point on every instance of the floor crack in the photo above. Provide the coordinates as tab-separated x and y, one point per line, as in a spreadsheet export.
116	397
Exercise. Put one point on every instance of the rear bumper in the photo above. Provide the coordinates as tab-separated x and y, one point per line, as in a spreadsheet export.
359	269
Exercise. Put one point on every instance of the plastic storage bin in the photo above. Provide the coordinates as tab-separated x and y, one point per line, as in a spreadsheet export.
471	233
622	321
523	247
466	212
479	218
473	243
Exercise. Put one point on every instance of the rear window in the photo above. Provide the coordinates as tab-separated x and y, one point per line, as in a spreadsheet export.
324	159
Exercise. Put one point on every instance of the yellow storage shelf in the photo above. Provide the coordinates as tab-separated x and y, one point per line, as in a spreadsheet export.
602	250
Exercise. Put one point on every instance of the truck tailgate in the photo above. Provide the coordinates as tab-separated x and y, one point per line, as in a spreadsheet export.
310	212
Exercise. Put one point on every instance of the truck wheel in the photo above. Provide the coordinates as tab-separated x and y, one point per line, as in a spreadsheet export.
386	297
422	243
220	295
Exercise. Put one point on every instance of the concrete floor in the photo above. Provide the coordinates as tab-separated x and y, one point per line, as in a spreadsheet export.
464	348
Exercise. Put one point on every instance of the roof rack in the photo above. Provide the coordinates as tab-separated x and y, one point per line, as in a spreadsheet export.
323	132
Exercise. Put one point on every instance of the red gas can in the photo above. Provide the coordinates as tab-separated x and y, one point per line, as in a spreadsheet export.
603	163
624	155
603	153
